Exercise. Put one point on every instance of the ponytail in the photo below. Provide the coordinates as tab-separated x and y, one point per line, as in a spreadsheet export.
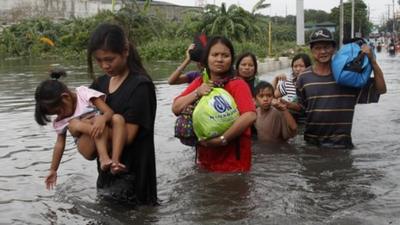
48	95
56	74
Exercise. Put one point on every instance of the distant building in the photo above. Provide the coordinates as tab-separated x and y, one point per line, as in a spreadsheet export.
168	10
12	11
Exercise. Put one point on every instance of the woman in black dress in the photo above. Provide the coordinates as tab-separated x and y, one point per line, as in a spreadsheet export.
130	92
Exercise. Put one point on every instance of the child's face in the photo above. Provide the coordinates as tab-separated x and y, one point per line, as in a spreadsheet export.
264	98
246	68
64	110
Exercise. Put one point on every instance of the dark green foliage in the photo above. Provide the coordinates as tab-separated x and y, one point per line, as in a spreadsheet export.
161	39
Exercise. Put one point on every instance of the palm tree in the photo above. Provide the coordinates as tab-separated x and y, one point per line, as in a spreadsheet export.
229	22
261	5
257	30
233	22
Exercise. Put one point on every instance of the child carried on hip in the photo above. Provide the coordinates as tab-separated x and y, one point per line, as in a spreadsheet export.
84	113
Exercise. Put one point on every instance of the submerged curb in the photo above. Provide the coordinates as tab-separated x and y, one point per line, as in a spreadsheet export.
273	64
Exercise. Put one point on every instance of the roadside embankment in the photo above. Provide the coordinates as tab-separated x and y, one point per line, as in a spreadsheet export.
272	64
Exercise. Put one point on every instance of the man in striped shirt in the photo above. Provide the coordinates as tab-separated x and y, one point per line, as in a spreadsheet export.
330	107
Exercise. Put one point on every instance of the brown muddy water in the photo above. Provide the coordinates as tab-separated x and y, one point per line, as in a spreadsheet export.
288	184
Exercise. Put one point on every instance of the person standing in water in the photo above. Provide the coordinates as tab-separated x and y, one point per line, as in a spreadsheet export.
130	92
274	122
246	69
285	87
329	106
231	151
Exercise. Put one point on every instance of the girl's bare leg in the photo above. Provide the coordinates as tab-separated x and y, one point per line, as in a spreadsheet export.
77	127
87	147
102	152
118	143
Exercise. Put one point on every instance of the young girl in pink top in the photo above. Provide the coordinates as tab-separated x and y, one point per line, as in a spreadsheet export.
82	112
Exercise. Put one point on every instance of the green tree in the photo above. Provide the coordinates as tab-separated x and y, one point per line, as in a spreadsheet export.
361	22
316	16
137	20
222	21
259	6
192	23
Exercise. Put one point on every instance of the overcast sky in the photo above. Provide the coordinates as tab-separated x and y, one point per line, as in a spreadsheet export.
378	8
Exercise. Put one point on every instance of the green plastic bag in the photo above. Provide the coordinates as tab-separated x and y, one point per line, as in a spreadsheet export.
214	114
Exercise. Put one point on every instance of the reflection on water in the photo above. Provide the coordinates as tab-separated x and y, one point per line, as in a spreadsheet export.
288	184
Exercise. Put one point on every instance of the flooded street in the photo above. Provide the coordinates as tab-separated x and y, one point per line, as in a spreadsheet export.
288	184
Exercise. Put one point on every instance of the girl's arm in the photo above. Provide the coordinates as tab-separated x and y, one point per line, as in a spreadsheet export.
100	120
58	151
242	123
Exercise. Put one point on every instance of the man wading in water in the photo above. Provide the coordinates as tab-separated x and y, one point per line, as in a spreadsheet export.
330	107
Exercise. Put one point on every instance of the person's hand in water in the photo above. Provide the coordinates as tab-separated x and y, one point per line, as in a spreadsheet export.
51	180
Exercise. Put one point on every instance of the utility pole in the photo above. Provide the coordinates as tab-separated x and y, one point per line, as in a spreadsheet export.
270	38
352	18
388	16
300	22
341	23
285	10
394	19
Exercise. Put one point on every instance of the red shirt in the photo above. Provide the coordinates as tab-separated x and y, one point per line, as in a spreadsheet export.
224	158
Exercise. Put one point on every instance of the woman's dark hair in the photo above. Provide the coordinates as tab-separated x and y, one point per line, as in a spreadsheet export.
213	41
111	37
244	55
306	59
48	95
261	86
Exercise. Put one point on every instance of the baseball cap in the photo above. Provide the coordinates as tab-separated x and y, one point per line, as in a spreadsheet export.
321	35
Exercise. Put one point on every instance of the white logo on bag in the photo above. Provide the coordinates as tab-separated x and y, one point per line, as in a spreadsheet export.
321	33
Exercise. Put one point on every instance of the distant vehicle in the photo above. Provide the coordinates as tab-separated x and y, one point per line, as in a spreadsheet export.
374	35
379	47
391	49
